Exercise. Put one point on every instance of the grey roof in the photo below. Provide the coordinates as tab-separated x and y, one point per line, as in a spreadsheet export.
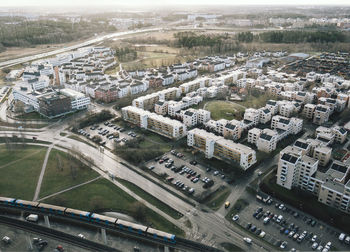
301	145
266	137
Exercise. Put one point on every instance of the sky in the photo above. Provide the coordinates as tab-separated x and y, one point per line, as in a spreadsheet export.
85	3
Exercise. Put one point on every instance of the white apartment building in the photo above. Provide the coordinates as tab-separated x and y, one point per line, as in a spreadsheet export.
189	117
265	115
321	114
272	106
253	135
267	140
161	107
203	116
216	146
252	115
78	100
308	111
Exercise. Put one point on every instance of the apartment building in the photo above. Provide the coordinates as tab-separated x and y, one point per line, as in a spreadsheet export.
203	116
233	130
309	110
253	135
286	109
267	140
272	106
146	102
78	100
165	126
321	114
220	125
334	187
136	116
265	115
340	134
161	107
189	117
159	124
252	115
52	105
216	146
323	154
303	146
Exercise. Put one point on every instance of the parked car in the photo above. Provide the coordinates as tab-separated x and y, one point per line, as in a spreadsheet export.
235	218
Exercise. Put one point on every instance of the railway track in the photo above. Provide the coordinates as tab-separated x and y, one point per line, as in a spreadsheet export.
55	234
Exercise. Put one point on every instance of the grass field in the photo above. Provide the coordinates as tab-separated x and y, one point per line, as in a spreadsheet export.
102	194
218	198
224	110
59	175
151	199
31	116
20	169
256	101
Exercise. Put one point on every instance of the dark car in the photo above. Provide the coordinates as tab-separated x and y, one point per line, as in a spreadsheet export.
253	228
249	225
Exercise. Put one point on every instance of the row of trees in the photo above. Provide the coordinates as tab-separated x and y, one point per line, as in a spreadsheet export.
94	119
24	33
126	54
293	37
191	39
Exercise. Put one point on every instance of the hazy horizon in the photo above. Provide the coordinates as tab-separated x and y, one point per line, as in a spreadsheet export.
135	3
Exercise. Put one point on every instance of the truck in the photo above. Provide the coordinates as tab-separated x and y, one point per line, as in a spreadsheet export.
32	217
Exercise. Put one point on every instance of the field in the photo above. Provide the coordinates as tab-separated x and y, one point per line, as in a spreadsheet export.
103	195
224	110
151	199
256	101
62	172
20	169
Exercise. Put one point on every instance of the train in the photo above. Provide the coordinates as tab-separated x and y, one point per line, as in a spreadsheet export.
102	220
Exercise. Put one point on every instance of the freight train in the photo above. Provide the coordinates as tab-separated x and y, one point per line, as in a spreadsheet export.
89	217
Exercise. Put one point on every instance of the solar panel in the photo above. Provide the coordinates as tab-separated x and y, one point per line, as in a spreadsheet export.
339	167
289	158
301	145
265	137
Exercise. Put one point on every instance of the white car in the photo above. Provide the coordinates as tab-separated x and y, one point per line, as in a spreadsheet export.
313	239
81	236
262	234
314	245
247	240
284	245
328	245
319	248
235	218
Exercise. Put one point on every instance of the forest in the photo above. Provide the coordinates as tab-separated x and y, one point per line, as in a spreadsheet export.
294	37
19	32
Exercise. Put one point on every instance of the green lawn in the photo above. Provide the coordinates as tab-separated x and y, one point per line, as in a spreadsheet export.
224	110
151	199
218	198
102	194
20	169
62	172
257	101
31	116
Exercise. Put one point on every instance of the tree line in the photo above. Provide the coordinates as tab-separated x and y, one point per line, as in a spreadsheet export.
295	37
26	33
125	54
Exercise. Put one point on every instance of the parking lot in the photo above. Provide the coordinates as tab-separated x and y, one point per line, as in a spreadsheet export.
109	132
290	227
185	173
